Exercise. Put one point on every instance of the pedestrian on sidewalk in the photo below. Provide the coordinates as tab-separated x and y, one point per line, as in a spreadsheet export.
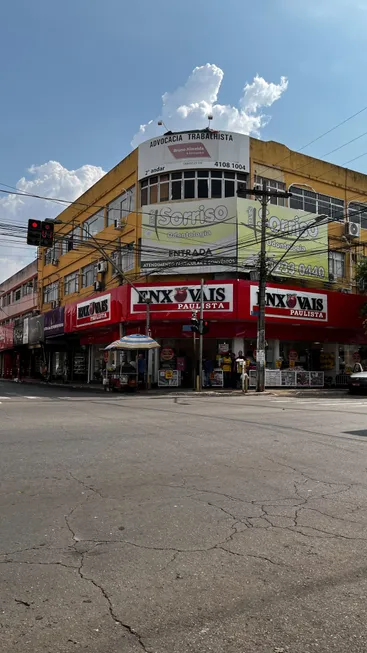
208	368
227	369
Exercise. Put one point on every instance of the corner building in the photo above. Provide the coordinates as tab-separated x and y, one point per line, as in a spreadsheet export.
169	214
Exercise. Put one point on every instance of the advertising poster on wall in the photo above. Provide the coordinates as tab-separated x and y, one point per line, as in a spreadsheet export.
195	149
305	259
189	237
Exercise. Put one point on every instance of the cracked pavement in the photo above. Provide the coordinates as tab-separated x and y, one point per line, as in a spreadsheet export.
204	524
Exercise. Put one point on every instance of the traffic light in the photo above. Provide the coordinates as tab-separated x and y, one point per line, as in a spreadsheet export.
194	322
47	234
204	327
34	232
40	233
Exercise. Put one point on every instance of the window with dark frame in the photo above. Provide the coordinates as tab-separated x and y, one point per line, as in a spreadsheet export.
312	202
190	184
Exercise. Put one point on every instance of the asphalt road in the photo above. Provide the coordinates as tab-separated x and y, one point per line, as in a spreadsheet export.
182	524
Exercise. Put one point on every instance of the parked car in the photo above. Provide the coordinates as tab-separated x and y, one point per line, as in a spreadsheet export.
357	382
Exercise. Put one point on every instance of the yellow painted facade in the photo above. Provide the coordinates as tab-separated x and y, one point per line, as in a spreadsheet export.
98	198
267	159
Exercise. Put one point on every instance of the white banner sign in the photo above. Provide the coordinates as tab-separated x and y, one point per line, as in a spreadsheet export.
202	149
217	297
291	304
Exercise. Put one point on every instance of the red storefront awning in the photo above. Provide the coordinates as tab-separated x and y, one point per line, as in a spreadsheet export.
100	310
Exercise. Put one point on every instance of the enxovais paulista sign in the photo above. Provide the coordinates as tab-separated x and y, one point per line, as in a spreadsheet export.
181	299
201	149
293	304
94	311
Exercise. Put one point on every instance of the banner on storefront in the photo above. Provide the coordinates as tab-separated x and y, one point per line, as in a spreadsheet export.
201	149
306	258
93	311
54	322
6	336
25	331
189	237
218	297
18	334
36	329
293	304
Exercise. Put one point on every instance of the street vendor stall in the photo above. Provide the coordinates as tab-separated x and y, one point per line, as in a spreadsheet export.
126	374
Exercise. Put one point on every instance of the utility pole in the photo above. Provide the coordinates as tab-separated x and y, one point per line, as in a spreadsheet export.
201	337
147	332
264	194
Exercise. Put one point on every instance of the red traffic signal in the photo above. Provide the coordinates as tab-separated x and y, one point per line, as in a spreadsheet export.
47	234
40	233
34	232
204	327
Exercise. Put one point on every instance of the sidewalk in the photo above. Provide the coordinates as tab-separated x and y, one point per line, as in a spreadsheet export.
276	392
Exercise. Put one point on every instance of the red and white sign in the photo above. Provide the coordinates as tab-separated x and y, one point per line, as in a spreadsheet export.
94	310
218	297
291	304
204	149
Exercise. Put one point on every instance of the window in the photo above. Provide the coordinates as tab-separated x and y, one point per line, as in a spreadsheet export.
93	225
358	213
336	265
7	299
89	275
53	253
190	184
124	257
28	288
312	202
71	283
121	206
69	241
271	184
51	292
17	294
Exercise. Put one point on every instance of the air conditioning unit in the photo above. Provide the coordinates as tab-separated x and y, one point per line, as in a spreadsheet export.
102	266
332	277
352	229
97	286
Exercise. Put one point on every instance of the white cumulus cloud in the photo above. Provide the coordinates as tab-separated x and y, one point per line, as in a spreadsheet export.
49	179
189	105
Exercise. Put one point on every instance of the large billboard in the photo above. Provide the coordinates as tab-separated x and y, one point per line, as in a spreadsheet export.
202	149
189	237
306	258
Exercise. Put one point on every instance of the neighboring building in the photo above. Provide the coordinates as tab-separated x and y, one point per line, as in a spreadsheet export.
18	295
18	304
169	214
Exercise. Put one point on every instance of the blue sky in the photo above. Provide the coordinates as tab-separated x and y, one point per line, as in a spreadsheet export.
80	76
